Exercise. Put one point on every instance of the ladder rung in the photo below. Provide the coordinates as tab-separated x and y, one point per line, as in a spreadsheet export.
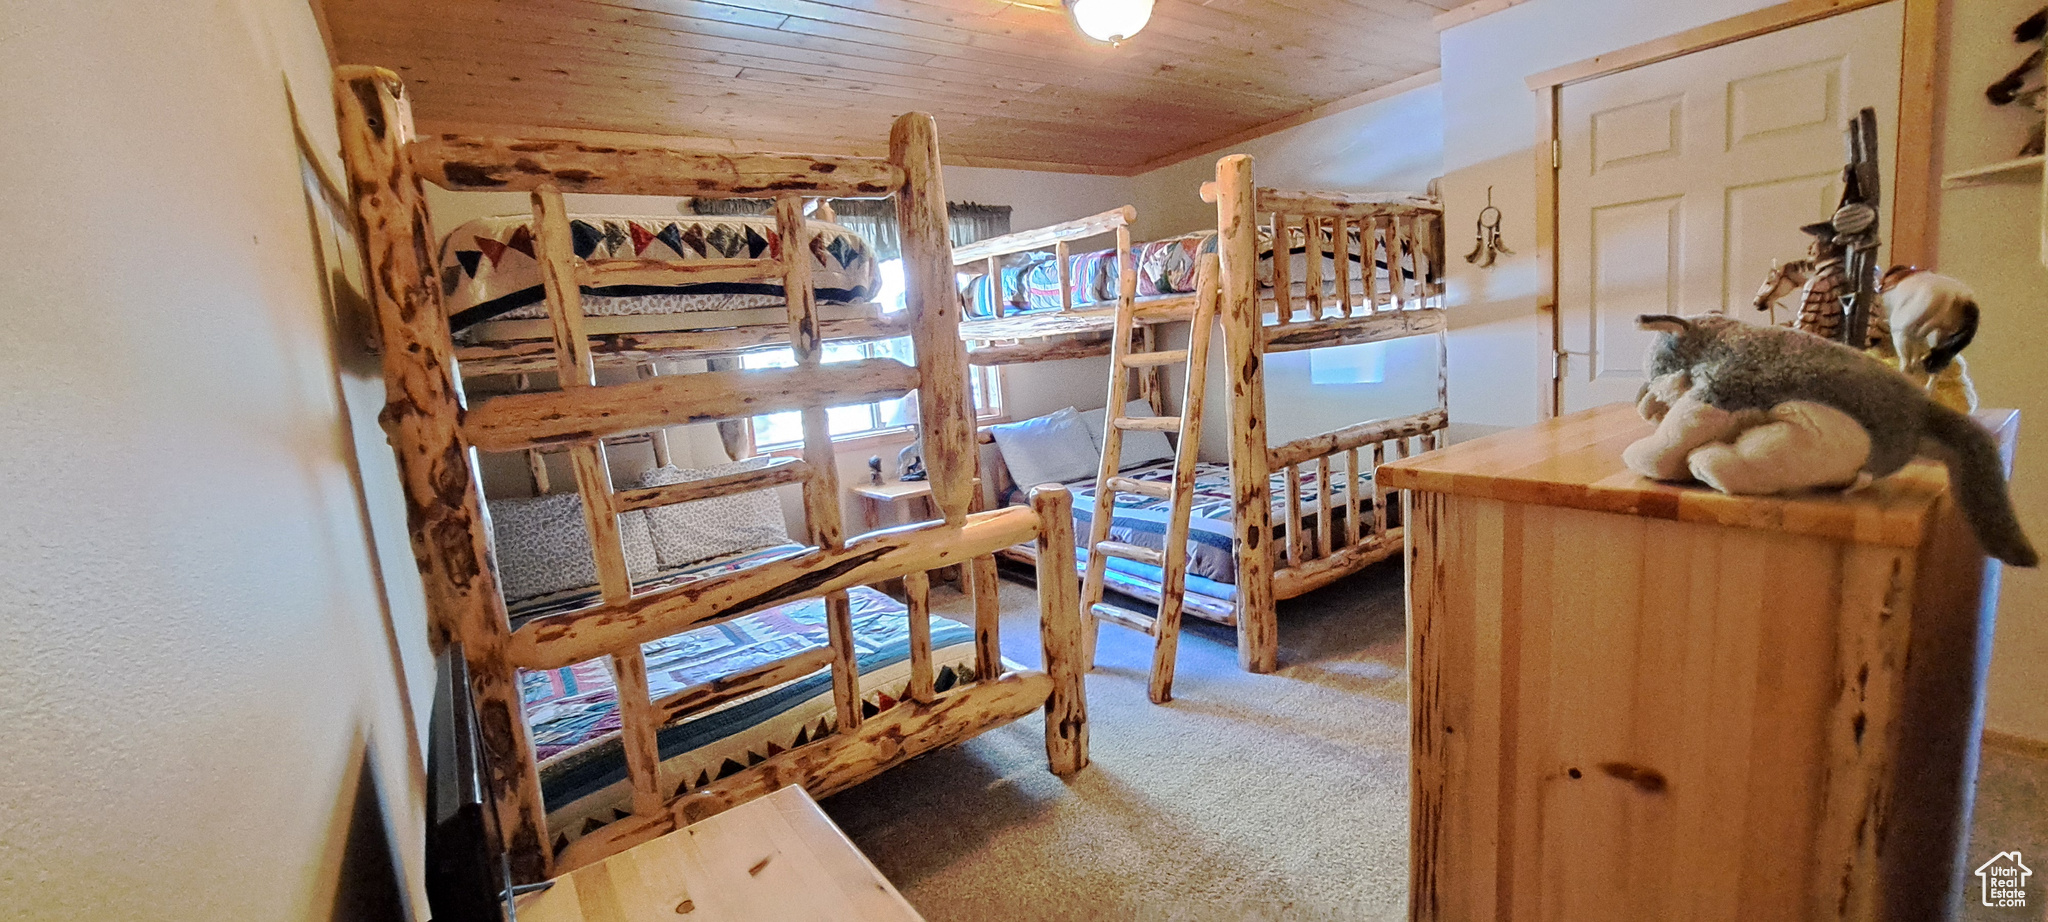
1144	624
1131	552
1151	488
1148	423
1149	359
601	272
786	470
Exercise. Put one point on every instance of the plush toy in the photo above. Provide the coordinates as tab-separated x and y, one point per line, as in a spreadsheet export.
1755	409
1932	319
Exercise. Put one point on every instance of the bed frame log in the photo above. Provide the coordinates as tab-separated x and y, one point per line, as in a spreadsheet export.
519	356
474	164
517	421
435	438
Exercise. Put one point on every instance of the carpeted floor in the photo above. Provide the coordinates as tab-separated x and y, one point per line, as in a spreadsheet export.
1246	798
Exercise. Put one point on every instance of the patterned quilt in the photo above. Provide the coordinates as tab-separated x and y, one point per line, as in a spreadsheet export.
488	271
583	777
1141	520
1030	281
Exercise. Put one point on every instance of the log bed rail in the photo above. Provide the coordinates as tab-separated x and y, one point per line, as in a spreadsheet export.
436	437
463	163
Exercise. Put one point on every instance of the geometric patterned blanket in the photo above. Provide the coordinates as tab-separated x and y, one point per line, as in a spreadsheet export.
488	270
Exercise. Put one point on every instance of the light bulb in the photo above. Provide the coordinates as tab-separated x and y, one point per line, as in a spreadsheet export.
1110	21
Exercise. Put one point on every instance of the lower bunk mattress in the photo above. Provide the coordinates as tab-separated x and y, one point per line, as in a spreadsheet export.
488	270
1212	564
571	710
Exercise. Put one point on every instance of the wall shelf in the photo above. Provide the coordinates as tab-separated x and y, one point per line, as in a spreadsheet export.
2022	169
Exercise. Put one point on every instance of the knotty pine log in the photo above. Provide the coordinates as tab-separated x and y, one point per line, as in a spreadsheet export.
1059	625
422	418
460	163
517	421
1041	237
945	404
1258	640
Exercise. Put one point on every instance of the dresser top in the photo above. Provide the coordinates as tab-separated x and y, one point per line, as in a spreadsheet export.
1575	461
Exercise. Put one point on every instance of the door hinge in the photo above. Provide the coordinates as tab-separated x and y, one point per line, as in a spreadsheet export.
1556	154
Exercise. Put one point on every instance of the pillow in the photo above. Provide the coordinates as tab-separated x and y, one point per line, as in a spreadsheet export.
1140	446
1053	448
686	533
543	547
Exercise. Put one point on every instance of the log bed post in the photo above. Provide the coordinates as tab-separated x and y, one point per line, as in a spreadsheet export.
1258	641
944	402
1060	629
422	419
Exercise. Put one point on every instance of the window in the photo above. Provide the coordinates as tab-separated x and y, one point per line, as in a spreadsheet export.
776	431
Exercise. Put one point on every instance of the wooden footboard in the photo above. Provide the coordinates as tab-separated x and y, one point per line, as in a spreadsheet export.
858	749
1328	538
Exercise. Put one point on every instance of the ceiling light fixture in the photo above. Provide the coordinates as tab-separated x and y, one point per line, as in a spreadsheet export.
1112	21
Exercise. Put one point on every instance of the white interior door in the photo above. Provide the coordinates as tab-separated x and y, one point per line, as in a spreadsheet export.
1680	182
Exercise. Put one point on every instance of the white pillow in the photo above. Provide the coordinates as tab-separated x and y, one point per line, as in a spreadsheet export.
686	533
1140	446
1053	448
543	547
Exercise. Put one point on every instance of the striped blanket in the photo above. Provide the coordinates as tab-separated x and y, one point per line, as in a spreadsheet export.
1141	520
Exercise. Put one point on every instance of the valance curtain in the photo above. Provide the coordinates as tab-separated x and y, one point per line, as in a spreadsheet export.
875	219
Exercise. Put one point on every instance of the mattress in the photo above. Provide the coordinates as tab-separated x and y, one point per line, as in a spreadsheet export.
583	775
488	270
1141	520
1167	267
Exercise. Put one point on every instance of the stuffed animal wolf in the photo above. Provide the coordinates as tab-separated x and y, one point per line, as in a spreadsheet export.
1720	376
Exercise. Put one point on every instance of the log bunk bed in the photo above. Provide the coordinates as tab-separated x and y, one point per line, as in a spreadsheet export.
1362	272
438	433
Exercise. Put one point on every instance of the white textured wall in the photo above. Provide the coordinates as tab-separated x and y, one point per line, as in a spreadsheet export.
1489	140
1390	145
205	674
1990	238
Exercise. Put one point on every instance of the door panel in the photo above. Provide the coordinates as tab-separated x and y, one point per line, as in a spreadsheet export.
1636	270
1681	182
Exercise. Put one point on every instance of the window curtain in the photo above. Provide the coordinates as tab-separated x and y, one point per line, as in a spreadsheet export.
874	219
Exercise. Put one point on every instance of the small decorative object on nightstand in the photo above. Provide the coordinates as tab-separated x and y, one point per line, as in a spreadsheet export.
875	469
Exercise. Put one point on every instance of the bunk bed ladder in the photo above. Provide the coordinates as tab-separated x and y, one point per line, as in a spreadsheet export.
1164	625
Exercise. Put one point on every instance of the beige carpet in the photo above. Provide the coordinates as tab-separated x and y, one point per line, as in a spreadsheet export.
1246	798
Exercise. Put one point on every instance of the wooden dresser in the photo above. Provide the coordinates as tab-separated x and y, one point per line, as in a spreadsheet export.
1635	701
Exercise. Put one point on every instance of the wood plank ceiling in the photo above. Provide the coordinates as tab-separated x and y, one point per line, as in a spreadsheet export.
1011	84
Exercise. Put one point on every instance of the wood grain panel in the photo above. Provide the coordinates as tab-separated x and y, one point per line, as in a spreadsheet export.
1007	81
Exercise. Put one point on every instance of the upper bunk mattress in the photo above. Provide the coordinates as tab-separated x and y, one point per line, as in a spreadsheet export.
1031	281
488	270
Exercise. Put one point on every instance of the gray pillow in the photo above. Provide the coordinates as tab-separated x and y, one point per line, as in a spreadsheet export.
686	533
543	547
1053	448
1140	446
